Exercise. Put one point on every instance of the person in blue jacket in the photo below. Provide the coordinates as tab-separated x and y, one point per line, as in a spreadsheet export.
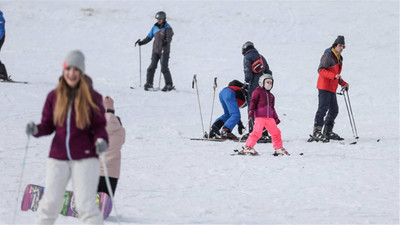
3	71
232	98
162	33
255	65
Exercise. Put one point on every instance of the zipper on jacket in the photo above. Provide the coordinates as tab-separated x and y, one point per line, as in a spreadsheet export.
267	104
68	131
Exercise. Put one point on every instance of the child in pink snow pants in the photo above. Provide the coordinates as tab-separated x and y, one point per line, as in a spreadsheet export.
262	107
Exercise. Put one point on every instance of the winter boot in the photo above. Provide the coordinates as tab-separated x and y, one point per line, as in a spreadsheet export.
317	135
148	87
227	134
329	134
168	87
248	151
280	152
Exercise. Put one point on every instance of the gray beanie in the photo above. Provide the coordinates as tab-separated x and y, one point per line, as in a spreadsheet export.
339	40
77	59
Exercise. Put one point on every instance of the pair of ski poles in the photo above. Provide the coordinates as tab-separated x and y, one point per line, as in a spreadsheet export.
346	97
140	70
194	84
107	178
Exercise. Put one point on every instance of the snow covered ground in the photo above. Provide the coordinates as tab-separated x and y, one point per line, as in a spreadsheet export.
168	179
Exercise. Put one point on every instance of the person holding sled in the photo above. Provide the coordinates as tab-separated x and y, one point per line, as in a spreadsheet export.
3	72
255	65
329	78
116	136
162	33
262	108
232	98
75	112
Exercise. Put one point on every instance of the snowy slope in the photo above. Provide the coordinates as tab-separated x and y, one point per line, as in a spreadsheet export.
168	179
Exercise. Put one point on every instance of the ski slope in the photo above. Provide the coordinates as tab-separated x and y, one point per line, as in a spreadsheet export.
168	179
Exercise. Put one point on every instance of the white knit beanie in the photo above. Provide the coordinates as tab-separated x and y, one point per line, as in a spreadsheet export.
77	59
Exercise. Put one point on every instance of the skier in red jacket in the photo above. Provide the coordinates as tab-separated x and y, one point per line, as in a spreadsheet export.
329	78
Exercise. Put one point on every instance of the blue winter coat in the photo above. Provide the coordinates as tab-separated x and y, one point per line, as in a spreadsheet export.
2	25
251	78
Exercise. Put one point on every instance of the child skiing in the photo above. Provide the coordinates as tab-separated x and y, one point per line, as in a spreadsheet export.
262	107
75	113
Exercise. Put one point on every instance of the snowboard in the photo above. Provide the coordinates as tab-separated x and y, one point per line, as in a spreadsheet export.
33	193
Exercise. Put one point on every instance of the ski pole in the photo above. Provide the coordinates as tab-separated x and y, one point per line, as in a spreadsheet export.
20	178
159	81
107	178
245	129
350	113
140	65
198	99
212	108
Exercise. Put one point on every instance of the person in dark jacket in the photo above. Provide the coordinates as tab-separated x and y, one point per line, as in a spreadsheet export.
262	107
232	98
75	112
255	65
3	71
162	33
329	78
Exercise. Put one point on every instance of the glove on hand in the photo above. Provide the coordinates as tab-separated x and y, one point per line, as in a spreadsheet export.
138	42
346	87
31	128
277	121
251	113
101	146
240	127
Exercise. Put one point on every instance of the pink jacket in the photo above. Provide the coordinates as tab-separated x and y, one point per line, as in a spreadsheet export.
116	137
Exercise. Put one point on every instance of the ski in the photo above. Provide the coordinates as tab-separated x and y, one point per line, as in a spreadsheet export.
14	81
208	139
237	152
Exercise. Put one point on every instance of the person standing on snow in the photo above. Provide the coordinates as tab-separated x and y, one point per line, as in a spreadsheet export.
3	71
329	78
75	113
162	33
255	65
116	136
262	107
232	98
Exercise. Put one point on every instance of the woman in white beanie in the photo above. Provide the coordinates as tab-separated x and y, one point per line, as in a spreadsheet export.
74	111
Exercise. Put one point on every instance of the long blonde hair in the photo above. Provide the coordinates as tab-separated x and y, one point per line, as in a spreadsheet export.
83	103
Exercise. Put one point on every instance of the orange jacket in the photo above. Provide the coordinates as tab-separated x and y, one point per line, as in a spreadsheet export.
327	70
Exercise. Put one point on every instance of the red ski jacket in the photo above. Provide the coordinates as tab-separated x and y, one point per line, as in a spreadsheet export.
327	70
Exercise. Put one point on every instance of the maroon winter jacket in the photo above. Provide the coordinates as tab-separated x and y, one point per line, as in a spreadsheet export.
263	104
80	143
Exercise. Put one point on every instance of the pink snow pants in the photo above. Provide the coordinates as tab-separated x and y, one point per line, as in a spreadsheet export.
270	125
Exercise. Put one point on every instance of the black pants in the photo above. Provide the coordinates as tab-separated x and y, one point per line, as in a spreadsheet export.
103	185
327	102
3	71
155	57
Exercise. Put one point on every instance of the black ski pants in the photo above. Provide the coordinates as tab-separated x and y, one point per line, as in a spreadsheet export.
3	70
103	185
327	103
155	57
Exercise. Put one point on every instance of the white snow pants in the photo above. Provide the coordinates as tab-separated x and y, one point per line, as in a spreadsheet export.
84	174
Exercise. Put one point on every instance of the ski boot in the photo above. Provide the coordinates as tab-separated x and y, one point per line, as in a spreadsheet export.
280	152
317	135
248	151
168	87
148	87
214	133
227	134
4	77
329	134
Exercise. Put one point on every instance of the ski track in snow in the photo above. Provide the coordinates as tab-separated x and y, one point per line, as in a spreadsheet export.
168	179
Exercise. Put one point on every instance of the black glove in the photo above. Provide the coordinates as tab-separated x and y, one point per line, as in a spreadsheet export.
31	129
138	42
240	127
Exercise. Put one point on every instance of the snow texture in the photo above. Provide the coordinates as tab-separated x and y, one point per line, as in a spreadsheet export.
168	179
